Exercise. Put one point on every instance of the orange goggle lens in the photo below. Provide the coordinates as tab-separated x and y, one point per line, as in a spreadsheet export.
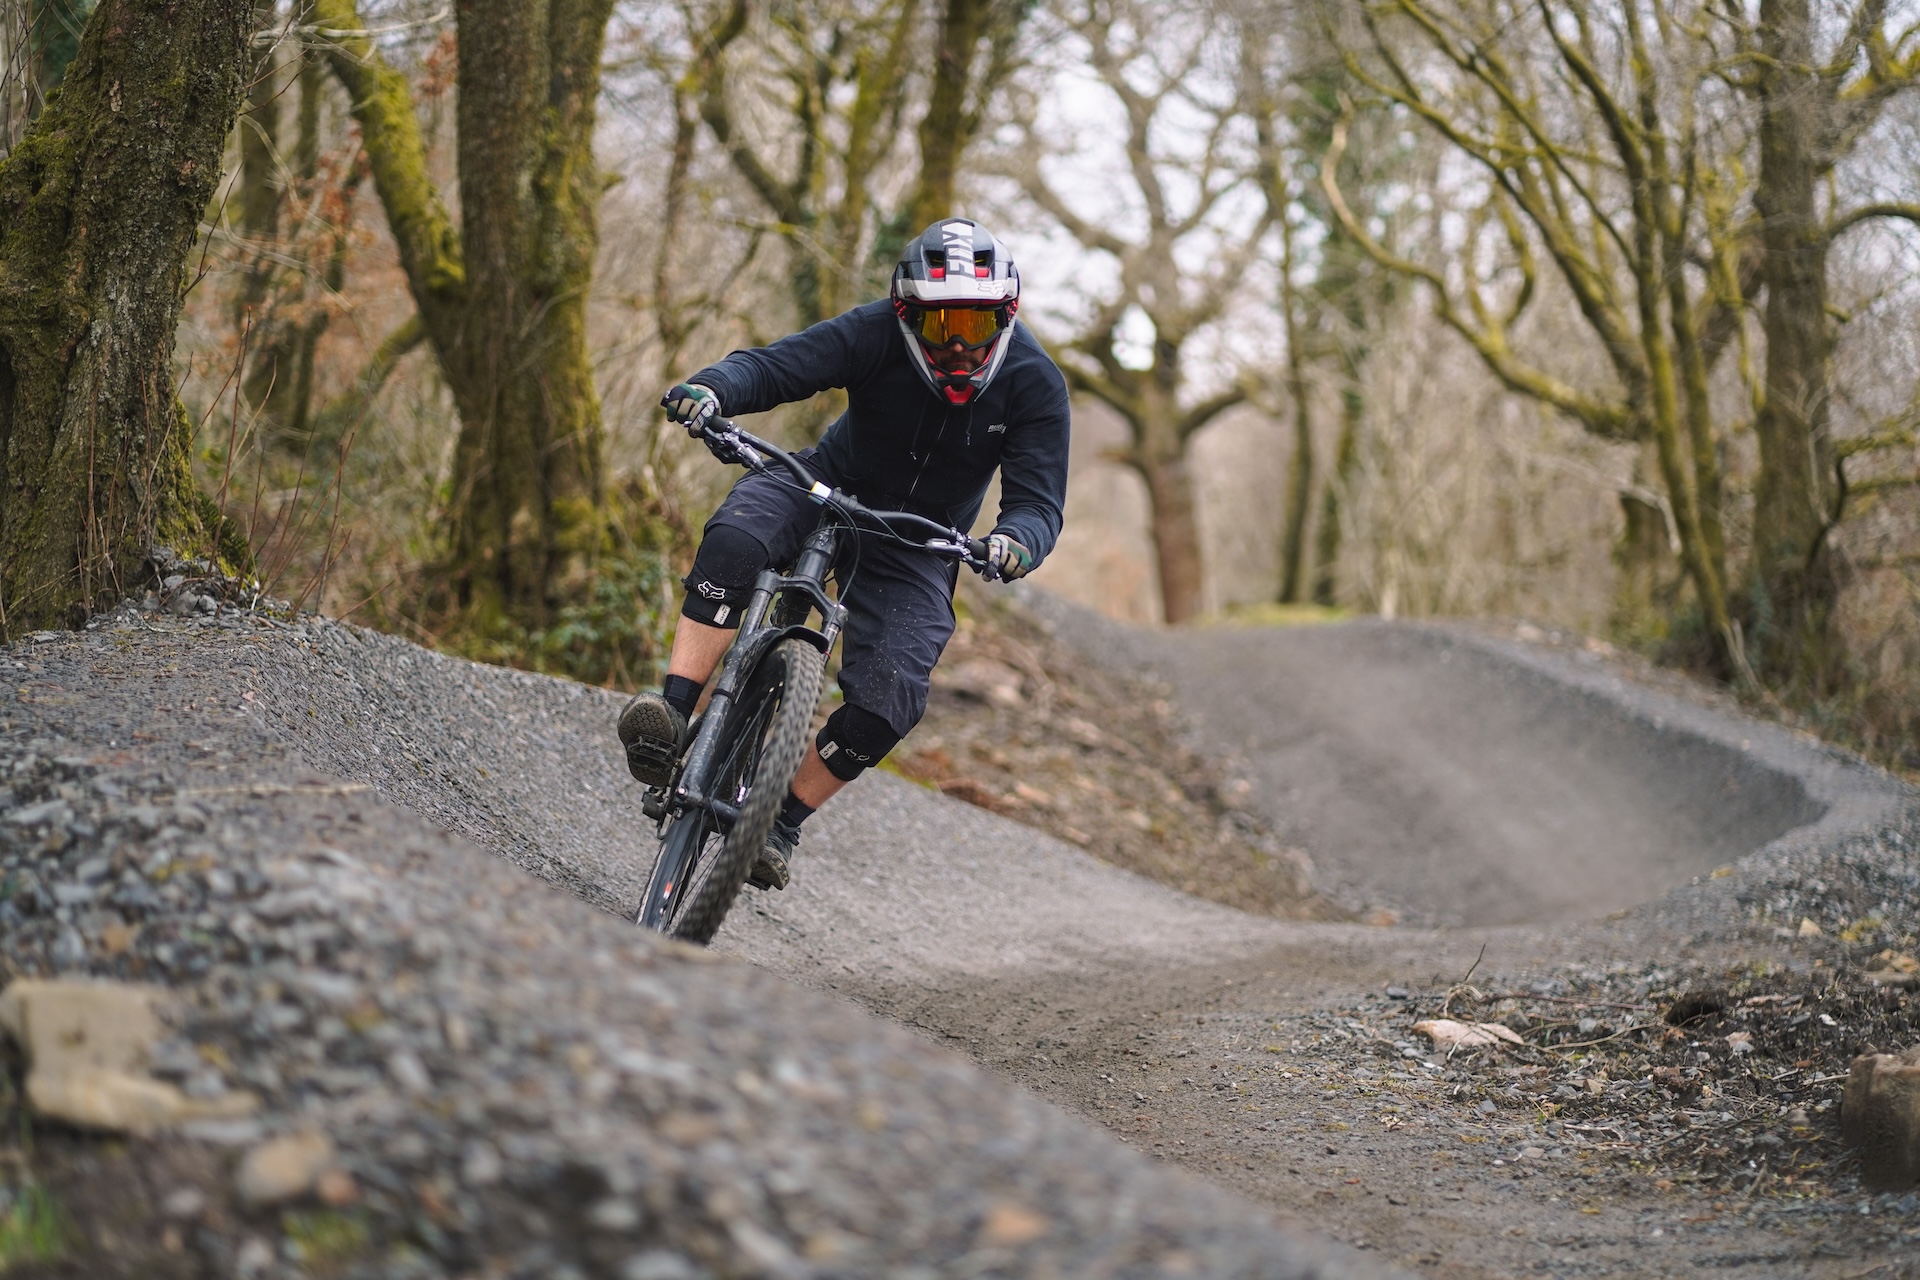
969	326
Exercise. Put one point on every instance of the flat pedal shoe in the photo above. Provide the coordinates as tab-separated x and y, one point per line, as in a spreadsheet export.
772	869
654	734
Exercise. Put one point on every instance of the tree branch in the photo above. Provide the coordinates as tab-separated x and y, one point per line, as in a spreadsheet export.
1853	217
429	245
1609	421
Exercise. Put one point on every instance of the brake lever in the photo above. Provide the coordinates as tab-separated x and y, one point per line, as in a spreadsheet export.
727	447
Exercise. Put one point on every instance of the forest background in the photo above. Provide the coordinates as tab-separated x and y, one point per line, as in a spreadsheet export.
1600	315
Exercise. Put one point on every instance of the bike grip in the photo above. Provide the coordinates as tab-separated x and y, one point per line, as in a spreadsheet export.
976	548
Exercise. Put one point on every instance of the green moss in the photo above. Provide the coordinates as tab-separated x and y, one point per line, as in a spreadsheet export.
32	1229
325	1238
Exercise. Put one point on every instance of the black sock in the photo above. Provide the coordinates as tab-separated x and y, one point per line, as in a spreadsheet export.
795	811
681	694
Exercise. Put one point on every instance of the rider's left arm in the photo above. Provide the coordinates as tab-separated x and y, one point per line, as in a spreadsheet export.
1033	467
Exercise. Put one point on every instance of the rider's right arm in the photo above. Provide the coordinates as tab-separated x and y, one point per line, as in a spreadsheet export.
841	352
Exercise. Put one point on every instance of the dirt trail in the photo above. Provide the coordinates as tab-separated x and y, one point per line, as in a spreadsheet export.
1513	795
1517	794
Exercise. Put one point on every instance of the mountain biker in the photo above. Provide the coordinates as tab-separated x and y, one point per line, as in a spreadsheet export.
943	388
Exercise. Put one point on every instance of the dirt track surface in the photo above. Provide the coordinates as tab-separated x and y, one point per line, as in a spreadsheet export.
517	1084
1232	1044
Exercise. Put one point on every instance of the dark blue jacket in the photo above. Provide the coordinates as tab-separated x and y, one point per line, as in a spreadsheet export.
901	446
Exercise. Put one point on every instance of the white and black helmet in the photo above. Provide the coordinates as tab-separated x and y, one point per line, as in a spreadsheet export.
956	283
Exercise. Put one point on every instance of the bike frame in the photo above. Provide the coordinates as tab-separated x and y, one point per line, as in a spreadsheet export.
800	594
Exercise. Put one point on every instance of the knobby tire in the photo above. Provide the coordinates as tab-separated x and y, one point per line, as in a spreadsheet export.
765	738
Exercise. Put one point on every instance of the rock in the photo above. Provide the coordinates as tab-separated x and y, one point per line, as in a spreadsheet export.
480	1165
1894	969
87	1044
1880	1118
659	1264
1446	1032
1012	1225
408	1072
283	1168
1808	929
52	813
994	683
336	1188
187	1202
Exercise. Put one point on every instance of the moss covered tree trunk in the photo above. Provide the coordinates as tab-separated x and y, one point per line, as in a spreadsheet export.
99	205
526	518
1792	587
502	299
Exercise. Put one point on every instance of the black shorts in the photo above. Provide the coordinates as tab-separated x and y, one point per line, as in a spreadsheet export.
899	601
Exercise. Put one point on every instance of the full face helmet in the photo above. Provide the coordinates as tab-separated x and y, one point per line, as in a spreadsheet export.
956	283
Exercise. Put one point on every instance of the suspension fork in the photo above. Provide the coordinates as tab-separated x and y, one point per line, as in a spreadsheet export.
807	587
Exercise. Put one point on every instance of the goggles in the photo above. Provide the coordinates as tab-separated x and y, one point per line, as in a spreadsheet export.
971	327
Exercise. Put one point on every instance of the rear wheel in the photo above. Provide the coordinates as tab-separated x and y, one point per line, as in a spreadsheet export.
701	866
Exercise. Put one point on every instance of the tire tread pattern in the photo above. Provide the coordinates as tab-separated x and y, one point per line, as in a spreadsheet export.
713	893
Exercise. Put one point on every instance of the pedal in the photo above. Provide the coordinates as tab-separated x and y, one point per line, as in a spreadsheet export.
654	803
649	759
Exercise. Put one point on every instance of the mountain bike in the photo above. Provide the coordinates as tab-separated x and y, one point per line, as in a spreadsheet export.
714	814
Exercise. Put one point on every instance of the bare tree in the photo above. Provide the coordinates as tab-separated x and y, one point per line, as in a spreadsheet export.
846	73
1595	151
1612	140
1814	104
1152	62
1332	296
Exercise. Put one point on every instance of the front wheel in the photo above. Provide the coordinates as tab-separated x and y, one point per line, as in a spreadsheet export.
701	867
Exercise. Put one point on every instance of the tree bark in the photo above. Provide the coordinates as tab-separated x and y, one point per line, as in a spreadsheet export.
527	478
1293	540
503	299
98	206
1791	585
1176	528
1346	463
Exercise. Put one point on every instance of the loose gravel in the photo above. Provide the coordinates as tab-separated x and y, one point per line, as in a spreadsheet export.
516	1083
1273	1057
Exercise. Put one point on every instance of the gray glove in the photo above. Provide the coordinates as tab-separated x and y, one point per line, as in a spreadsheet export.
691	405
1007	559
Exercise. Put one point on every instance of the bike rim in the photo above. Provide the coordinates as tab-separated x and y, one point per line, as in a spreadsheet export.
668	903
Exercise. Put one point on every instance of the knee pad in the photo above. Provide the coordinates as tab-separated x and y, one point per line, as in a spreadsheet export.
854	740
724	568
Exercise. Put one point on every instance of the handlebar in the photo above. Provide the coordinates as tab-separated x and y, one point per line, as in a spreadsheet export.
730	444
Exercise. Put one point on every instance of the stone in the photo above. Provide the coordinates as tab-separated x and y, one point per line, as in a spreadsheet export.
1880	1118
408	1072
480	1166
283	1168
659	1264
984	679
336	1188
87	1045
1467	1035
187	1202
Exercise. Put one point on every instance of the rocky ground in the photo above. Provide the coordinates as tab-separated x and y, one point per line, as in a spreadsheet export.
399	1055
1021	724
511	1082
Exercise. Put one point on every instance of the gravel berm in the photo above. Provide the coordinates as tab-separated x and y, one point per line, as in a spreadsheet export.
278	822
